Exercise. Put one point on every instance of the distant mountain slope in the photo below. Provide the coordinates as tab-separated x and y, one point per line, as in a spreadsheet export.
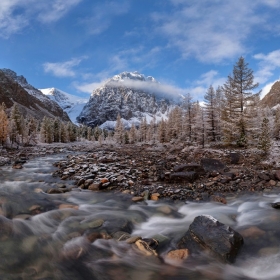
130	94
31	101
72	105
272	99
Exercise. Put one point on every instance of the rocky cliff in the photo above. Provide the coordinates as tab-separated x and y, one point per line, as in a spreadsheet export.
31	101
272	99
130	94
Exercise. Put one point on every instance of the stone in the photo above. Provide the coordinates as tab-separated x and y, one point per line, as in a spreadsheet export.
252	232
176	256
137	198
210	164
234	158
190	176
94	187
131	183
17	166
35	209
104	180
155	196
187	167
6	226
121	236
132	239
263	176
272	183
205	232
276	205
144	248
218	198
72	206
277	175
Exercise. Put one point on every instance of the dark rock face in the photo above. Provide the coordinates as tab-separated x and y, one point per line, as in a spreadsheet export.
210	164
205	232
15	90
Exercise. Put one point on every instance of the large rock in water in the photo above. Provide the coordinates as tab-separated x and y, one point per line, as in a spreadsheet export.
205	232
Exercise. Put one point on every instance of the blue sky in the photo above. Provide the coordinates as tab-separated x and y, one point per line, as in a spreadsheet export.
187	45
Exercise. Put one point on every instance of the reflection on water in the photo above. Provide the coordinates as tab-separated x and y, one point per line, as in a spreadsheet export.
76	235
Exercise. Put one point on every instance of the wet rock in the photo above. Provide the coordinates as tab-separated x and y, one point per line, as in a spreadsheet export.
94	187
73	206
276	205
218	198
176	256
133	239
17	166
144	248
6	228
210	164
277	175
252	232
121	236
54	191
155	196
205	232
137	198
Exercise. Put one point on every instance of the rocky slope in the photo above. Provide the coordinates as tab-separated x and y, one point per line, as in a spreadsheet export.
272	99
16	90
72	105
130	94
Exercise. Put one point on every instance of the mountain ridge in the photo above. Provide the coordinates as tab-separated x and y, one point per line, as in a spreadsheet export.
130	94
15	89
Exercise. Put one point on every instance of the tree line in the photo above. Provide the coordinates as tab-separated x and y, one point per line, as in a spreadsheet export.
230	115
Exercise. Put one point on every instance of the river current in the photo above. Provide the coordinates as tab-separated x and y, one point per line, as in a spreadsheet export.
43	236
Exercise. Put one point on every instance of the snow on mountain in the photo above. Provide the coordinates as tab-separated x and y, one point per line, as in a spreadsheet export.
133	96
71	104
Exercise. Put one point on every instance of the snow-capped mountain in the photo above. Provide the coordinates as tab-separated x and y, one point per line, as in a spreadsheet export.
130	94
31	101
71	104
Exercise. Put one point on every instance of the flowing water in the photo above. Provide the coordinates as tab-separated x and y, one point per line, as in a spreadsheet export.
41	239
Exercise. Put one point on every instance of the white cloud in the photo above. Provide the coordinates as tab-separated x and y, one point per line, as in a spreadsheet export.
62	69
102	15
266	89
15	15
199	87
268	63
212	31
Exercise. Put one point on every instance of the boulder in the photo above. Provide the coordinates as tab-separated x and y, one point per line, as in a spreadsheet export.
188	167
205	232
190	176
277	175
210	164
234	158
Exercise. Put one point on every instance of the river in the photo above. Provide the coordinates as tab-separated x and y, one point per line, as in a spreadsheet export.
68	235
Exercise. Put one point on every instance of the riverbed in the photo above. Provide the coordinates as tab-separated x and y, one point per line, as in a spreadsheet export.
78	234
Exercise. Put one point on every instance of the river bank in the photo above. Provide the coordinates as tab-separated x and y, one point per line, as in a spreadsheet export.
73	232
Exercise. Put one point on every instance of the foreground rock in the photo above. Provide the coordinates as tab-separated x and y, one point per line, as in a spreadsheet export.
207	233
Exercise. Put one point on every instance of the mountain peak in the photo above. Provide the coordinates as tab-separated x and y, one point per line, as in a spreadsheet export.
134	76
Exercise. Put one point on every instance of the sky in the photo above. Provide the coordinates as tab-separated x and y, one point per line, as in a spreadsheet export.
186	45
